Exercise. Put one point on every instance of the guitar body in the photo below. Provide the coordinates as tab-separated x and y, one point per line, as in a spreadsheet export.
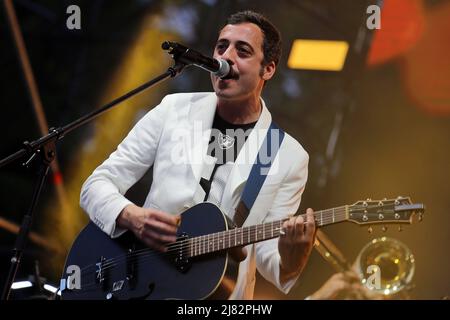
124	268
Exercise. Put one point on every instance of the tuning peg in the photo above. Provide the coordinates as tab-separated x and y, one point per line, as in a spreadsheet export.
400	229
384	199
369	199
369	230
384	228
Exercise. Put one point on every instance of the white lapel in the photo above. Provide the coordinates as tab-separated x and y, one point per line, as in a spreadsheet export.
246	159
201	116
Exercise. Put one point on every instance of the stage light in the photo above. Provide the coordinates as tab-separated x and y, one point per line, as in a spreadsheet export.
29	290
50	288
318	55
21	285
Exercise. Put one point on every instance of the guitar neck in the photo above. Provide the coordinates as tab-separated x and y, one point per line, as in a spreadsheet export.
247	235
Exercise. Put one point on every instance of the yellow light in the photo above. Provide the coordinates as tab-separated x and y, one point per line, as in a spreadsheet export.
396	261
318	55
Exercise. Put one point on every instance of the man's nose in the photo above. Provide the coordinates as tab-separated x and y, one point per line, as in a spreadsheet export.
229	55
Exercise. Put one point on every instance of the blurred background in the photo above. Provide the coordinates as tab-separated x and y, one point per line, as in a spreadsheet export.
372	110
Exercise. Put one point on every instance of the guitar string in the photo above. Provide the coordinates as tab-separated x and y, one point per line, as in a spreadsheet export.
176	246
219	234
144	258
226	235
328	219
147	253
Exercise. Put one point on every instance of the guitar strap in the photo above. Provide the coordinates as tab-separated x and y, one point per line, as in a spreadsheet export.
266	156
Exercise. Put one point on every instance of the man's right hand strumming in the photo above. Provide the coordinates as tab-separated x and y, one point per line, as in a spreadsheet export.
155	228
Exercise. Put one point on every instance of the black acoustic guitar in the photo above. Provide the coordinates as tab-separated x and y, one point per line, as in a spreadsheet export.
197	265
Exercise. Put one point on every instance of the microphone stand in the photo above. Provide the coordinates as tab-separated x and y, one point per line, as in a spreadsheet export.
43	150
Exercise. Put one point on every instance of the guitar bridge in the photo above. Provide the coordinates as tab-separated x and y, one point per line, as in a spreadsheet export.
180	252
100	272
131	267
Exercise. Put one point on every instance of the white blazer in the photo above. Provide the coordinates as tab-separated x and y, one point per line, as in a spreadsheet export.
173	137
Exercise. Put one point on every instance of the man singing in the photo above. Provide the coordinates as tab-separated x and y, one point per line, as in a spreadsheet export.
231	122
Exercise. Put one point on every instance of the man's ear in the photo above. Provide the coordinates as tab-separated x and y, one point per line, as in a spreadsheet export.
269	70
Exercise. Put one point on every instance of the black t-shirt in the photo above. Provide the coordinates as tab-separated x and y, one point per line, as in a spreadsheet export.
225	143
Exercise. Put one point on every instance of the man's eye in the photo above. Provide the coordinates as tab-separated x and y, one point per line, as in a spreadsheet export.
244	51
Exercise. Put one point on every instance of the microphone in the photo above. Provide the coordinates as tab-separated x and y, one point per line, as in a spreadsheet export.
218	67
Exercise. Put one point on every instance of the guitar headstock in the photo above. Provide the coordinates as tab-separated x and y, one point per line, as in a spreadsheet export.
399	211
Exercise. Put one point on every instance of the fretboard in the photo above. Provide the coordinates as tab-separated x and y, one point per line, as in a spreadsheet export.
251	234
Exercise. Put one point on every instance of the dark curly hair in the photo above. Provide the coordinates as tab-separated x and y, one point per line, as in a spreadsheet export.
272	39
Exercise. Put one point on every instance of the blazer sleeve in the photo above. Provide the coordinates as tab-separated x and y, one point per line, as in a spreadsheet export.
102	194
286	202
